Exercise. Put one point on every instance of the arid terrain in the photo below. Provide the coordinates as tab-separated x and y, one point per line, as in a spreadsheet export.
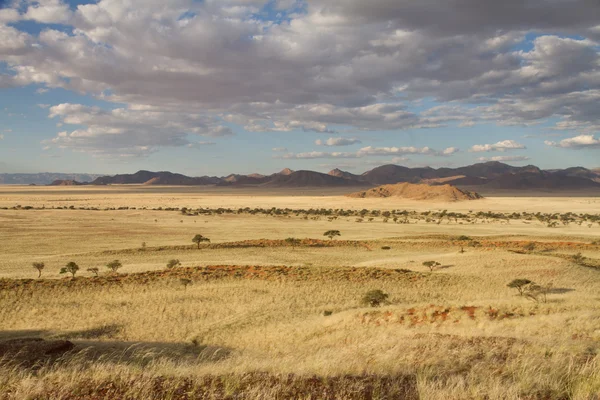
273	308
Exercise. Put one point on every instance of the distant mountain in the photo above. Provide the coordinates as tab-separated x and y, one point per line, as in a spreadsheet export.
62	182
417	192
343	174
387	174
43	178
155	178
310	179
541	180
482	176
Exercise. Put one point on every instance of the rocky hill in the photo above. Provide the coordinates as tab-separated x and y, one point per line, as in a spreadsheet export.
417	192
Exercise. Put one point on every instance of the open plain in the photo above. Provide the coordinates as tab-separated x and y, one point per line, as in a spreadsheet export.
253	313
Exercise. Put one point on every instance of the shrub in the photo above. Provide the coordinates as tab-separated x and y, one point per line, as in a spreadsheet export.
93	270
39	266
578	258
463	237
327	313
431	265
70	268
332	233
199	239
519	284
114	265
173	263
374	298
386	248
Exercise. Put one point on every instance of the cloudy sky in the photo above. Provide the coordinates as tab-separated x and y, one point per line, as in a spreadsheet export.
220	86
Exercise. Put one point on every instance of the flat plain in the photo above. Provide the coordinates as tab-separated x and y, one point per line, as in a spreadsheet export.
251	303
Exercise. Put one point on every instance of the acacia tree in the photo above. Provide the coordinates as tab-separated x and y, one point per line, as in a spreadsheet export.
39	266
519	284
431	265
199	239
70	268
93	270
332	233
114	265
173	263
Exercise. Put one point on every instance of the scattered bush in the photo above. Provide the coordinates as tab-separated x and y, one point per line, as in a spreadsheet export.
199	239
529	246
332	233
431	265
463	237
114	265
327	313
93	270
70	268
386	248
374	298
519	284
39	266
173	263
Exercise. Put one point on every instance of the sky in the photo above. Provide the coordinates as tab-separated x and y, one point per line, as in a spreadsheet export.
212	87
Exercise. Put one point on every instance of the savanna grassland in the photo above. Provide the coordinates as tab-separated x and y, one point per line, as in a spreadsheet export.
253	315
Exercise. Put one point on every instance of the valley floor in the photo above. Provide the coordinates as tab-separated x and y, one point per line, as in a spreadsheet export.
251	314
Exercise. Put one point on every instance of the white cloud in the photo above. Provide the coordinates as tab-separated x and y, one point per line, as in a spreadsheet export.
503	145
48	12
504	158
577	142
372	151
334	64
337	141
128	133
279	149
1	137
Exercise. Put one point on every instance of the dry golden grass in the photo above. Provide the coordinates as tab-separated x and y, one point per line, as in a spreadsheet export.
459	329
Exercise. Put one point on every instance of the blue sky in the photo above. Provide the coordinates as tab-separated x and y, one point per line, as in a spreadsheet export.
214	87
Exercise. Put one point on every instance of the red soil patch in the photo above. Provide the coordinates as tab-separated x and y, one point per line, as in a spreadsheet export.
437	314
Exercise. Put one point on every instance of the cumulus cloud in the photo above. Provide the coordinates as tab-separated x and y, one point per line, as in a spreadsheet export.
504	158
322	65
504	145
48	12
577	142
128	133
372	151
337	141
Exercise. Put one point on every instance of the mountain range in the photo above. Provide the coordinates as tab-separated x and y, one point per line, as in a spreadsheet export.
488	175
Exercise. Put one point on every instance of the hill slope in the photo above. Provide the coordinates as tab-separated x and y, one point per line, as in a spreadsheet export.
310	179
418	192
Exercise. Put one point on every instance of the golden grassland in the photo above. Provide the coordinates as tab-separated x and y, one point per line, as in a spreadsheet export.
268	307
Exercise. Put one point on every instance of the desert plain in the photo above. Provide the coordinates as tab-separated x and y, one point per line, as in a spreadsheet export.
272	308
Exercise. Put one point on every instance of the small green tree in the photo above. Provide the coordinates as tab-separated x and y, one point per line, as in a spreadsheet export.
199	239
578	258
40	267
70	268
332	233
519	284
173	263
374	298
93	270
431	265
114	265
